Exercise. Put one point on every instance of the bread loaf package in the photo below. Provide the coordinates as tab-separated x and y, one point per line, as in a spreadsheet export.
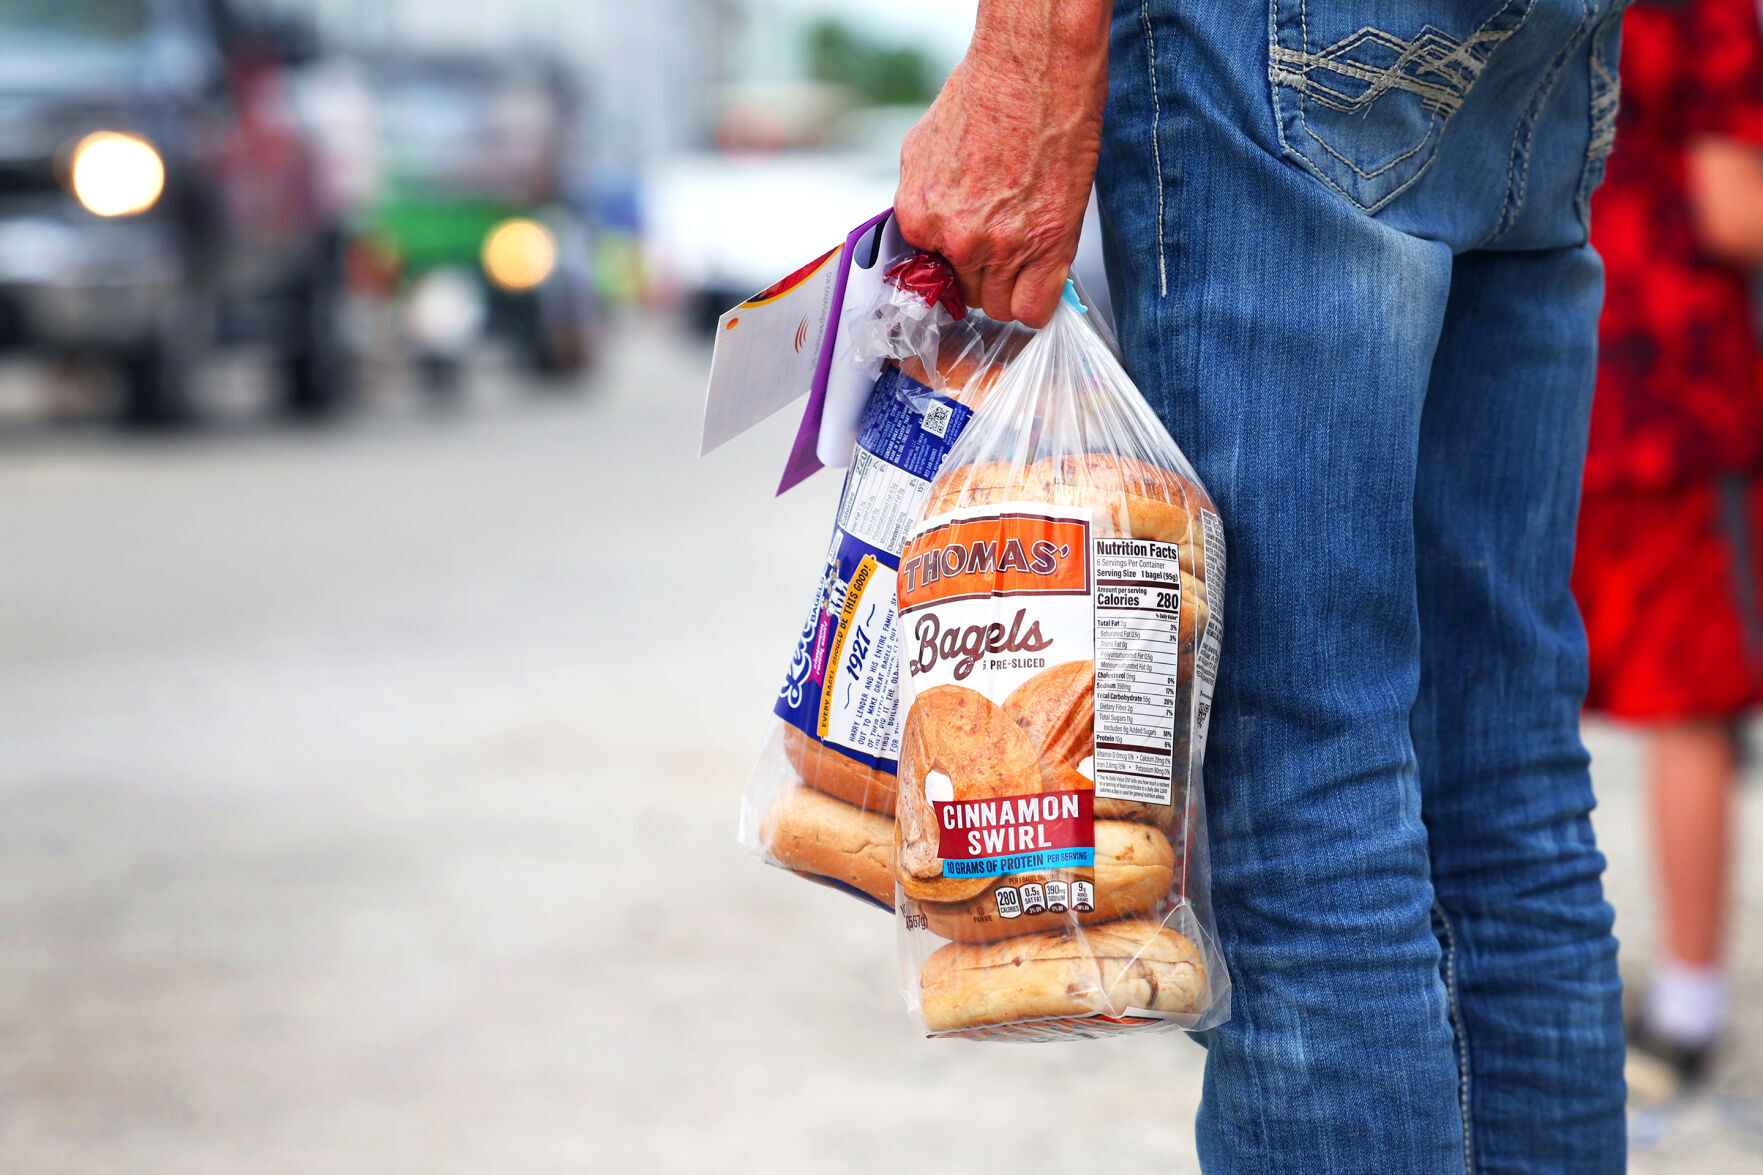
820	800
1059	626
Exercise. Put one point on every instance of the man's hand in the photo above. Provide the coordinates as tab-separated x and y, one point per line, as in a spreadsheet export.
997	174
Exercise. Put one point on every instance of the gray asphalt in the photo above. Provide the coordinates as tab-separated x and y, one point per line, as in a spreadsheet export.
366	805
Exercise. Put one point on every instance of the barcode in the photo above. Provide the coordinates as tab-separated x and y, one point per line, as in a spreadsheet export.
937	419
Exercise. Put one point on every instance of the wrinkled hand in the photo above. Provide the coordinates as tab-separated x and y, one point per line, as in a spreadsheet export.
997	173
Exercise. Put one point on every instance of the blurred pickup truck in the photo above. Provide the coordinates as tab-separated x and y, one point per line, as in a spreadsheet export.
472	233
158	196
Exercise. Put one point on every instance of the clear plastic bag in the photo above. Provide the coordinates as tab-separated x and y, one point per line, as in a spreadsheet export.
820	800
1059	627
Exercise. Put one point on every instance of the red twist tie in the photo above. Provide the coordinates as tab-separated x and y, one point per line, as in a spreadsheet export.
929	277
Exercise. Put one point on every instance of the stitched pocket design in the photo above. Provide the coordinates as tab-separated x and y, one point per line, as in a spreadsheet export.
1362	105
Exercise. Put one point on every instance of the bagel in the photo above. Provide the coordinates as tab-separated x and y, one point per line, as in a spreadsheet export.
837	774
968	367
1126	496
1078	971
984	483
1057	709
976	752
813	833
1194	611
1134	869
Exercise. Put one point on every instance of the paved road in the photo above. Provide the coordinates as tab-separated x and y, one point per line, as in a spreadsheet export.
366	800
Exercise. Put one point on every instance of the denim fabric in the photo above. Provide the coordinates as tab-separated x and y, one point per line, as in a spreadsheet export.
1347	246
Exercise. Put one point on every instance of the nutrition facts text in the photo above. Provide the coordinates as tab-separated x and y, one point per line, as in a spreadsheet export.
1138	655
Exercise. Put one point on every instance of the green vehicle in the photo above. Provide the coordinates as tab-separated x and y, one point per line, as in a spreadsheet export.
472	233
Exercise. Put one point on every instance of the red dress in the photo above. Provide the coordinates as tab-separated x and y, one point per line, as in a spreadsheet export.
1669	568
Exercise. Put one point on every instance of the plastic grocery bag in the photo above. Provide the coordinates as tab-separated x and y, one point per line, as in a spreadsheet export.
820	800
1059	628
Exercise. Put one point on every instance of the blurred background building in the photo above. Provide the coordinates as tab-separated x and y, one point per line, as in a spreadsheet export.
367	793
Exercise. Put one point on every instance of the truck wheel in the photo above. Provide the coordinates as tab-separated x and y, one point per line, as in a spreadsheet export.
562	337
441	376
316	368
560	354
156	384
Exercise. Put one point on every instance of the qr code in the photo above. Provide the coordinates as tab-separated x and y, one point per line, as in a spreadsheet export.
937	418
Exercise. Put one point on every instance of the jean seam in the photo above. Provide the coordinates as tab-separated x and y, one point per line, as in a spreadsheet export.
1156	147
1515	187
1462	1038
1173	342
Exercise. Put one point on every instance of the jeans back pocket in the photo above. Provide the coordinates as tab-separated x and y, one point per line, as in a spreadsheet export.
1362	88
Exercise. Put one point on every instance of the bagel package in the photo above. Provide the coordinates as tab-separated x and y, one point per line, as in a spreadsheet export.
1059	624
820	800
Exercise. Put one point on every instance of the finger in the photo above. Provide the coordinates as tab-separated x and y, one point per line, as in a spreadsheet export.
1036	293
912	218
996	285
969	284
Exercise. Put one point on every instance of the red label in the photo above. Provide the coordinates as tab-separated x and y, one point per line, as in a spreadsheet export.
1010	826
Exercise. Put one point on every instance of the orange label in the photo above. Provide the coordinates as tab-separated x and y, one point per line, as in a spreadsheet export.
1001	555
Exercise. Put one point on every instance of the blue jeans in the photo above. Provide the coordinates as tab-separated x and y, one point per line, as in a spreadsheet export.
1349	262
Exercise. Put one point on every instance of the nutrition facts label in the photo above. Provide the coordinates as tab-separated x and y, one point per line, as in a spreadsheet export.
1138	639
881	501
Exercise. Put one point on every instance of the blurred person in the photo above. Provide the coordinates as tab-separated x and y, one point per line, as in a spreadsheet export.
1349	259
1671	532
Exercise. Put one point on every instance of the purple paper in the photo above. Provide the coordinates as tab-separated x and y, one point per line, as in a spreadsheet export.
803	463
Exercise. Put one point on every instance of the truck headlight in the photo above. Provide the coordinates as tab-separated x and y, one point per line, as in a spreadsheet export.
445	312
115	174
518	254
